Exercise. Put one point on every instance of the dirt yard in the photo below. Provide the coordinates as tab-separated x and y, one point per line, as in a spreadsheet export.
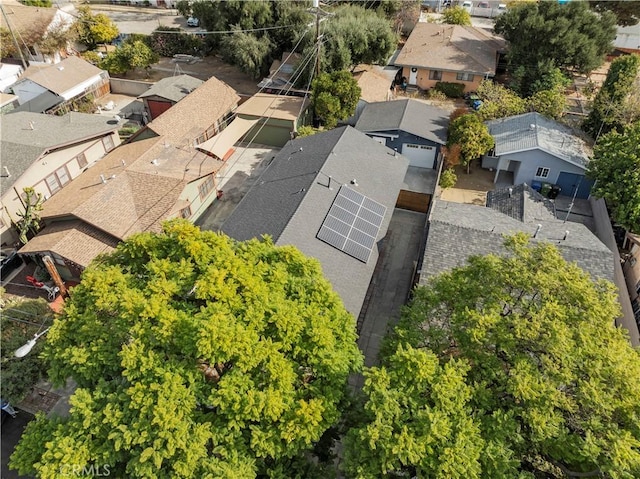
203	69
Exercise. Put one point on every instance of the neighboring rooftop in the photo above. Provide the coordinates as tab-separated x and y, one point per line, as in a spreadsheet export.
27	136
409	115
531	131
522	203
450	47
292	197
63	76
458	231
281	107
24	18
373	86
173	88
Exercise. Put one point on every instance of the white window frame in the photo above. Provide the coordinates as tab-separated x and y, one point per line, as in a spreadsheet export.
108	143
435	75
542	172
462	76
185	212
206	187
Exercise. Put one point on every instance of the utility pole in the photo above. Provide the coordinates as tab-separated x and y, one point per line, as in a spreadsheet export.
316	6
15	42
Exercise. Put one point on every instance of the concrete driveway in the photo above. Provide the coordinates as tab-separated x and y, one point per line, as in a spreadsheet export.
243	169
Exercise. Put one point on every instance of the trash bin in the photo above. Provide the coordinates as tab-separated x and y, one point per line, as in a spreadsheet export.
536	185
545	189
554	192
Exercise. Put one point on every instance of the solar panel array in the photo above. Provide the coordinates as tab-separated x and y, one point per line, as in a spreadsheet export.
352	224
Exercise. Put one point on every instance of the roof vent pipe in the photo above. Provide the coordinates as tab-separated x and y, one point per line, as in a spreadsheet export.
6	172
103	179
538	228
566	235
510	192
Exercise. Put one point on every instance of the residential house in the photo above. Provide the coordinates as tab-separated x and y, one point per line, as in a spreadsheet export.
449	53
331	195
416	130
536	149
167	92
46	152
277	117
9	74
457	231
631	270
160	174
31	26
70	80
374	87
8	102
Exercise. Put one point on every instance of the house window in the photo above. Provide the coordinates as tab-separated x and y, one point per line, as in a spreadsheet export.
57	180
107	142
464	76
205	187
542	172
82	160
185	212
435	75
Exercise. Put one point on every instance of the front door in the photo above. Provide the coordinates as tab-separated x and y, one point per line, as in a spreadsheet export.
413	76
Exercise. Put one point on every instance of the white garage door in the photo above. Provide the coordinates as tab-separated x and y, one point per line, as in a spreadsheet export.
419	155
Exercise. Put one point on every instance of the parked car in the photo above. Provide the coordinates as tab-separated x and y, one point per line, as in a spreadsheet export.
502	7
467	5
193	22
10	262
483	9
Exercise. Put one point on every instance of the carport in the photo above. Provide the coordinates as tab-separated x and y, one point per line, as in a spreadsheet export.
221	145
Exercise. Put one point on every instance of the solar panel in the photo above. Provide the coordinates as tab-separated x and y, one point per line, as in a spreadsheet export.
352	224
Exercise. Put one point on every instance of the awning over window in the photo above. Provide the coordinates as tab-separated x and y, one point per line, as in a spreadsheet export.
220	144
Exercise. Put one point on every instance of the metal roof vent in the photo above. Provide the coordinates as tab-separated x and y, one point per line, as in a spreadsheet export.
532	126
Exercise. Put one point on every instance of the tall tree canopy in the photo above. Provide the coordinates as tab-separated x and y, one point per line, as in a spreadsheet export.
472	137
334	97
617	103
544	35
456	16
616	168
627	12
94	29
129	56
195	356
534	380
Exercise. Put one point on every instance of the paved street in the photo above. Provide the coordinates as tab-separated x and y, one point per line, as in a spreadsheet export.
141	20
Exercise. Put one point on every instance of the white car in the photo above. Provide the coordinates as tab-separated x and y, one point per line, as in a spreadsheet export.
467	5
502	7
193	22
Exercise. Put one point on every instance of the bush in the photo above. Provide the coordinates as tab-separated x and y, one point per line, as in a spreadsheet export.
169	44
452	90
436	95
448	178
91	57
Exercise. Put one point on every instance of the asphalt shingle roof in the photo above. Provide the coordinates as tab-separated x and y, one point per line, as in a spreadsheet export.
458	231
533	131
21	145
450	47
522	203
409	115
173	88
63	76
292	198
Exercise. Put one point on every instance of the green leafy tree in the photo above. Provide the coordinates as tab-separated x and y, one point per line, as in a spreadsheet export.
169	44
7	46
616	169
544	35
448	179
471	135
550	103
20	320
29	220
418	421
247	51
456	16
195	356
614	105
499	101
306	130
91	29
129	56
627	13
554	388
335	97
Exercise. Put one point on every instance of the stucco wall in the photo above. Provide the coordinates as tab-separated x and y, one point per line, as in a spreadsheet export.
81	87
198	205
129	87
423	81
531	160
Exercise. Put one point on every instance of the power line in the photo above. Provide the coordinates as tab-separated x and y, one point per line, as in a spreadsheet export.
245	30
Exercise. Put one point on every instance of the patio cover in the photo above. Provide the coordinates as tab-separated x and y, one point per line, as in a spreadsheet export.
220	144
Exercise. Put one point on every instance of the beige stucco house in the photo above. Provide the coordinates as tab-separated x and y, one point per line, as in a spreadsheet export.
449	53
47	152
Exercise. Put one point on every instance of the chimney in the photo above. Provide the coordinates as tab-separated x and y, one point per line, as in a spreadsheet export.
538	228
103	179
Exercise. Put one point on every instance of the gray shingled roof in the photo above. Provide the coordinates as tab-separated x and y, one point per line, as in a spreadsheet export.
522	203
531	131
412	116
458	231
21	146
292	198
173	88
